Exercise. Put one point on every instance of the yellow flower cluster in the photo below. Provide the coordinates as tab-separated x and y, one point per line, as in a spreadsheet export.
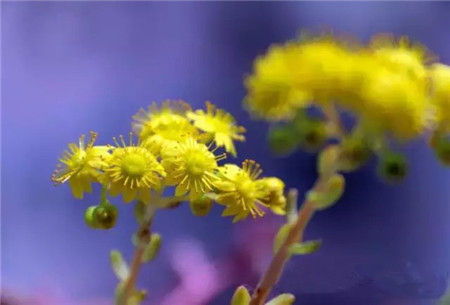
388	84
176	147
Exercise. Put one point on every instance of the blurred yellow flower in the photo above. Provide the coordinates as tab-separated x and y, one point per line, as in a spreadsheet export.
240	192
402	56
133	171
191	166
276	199
220	125
271	91
325	67
81	165
440	98
395	104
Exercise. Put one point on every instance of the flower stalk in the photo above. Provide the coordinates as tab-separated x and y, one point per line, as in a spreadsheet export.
143	237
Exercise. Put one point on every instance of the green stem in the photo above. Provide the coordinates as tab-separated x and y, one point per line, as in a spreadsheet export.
273	273
103	200
143	237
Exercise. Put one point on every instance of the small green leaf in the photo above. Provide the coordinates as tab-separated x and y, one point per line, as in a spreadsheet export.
118	292
306	247
136	297
152	249
281	236
282	299
119	265
241	296
329	195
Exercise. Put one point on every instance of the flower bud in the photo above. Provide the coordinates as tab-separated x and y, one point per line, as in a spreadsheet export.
392	166
89	217
283	139
442	150
201	206
353	154
106	216
312	134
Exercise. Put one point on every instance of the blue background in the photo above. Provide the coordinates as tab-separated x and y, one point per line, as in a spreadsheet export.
68	68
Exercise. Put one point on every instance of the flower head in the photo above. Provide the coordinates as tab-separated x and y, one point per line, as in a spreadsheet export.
271	90
395	104
133	171
440	75
402	56
327	68
191	166
220	125
158	126
81	165
240	191
276	199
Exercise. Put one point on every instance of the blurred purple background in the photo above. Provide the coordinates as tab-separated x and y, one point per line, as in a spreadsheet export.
72	67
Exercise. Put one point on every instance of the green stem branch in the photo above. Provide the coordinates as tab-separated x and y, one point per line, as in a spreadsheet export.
273	273
143	237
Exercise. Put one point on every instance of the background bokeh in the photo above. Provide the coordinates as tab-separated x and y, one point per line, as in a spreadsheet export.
72	67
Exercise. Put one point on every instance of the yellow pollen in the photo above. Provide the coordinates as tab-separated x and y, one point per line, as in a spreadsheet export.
133	165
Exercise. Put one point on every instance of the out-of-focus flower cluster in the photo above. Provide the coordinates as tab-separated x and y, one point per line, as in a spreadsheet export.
395	89
176	146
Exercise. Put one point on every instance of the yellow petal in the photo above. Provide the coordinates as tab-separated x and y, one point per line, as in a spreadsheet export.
77	189
180	190
129	194
115	189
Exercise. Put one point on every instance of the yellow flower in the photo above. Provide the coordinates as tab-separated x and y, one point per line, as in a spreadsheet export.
327	68
240	191
133	171
440	75
191	166
220	125
81	165
271	90
395	103
276	200
402	56
161	125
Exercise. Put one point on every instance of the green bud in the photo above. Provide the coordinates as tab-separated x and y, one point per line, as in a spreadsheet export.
354	153
89	217
282	299
241	296
201	206
442	150
392	166
106	216
312	134
152	249
283	139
